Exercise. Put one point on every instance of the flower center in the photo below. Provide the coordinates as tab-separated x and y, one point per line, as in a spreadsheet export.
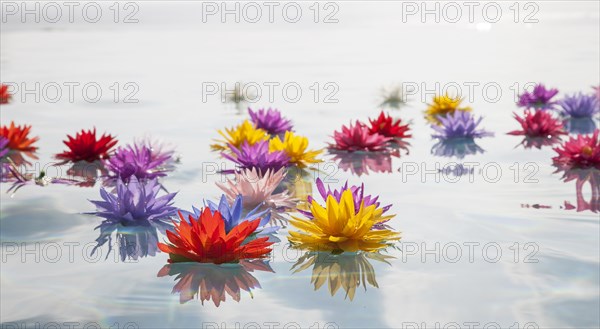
587	150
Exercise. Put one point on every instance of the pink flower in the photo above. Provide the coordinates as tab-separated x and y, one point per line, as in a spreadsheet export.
256	189
579	152
538	124
359	138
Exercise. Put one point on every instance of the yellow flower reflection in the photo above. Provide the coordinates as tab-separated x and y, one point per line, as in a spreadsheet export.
443	105
236	136
295	147
346	271
341	227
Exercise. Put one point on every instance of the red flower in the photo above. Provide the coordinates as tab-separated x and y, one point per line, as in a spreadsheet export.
386	126
538	124
85	147
581	152
18	137
4	95
204	240
358	138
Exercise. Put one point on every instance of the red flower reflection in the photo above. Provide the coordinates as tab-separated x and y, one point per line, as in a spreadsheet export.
214	282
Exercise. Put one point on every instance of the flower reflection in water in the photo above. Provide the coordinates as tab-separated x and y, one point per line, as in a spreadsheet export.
581	126
134	242
582	177
214	282
456	147
539	142
364	163
347	271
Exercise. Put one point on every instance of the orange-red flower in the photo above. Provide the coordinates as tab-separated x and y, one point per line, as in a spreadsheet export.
4	95
18	139
85	147
204	240
386	126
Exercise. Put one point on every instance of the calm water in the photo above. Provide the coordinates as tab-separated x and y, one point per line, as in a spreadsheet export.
525	260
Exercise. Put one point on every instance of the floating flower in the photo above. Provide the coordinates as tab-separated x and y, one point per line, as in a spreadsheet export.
233	214
245	132
538	124
214	282
270	120
18	139
160	151
386	126
393	97
205	240
4	95
442	106
3	146
340	227
359	197
358	138
459	125
137	161
580	106
346	271
258	157
539	98
86	147
257	189
295	147
135	203
579	152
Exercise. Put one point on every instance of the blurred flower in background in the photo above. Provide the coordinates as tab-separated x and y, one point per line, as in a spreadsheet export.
442	106
580	106
270	121
4	94
358	137
540	98
238	135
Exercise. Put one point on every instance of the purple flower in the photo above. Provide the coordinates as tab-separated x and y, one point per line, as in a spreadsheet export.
540	98
580	106
358	193
135	203
270	121
258	157
459	124
137	161
3	146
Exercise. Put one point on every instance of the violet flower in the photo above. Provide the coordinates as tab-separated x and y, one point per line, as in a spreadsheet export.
258	157
539	98
580	106
135	203
137	161
459	124
270	120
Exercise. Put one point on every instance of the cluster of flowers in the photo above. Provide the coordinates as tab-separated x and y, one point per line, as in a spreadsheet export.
267	142
379	135
544	119
143	159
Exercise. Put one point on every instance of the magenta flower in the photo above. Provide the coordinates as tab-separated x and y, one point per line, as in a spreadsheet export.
270	120
257	157
3	146
581	152
539	98
358	137
538	124
580	106
459	124
137	161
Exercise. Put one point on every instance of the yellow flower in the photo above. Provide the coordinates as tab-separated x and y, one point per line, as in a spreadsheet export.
246	132
339	226
295	147
443	105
